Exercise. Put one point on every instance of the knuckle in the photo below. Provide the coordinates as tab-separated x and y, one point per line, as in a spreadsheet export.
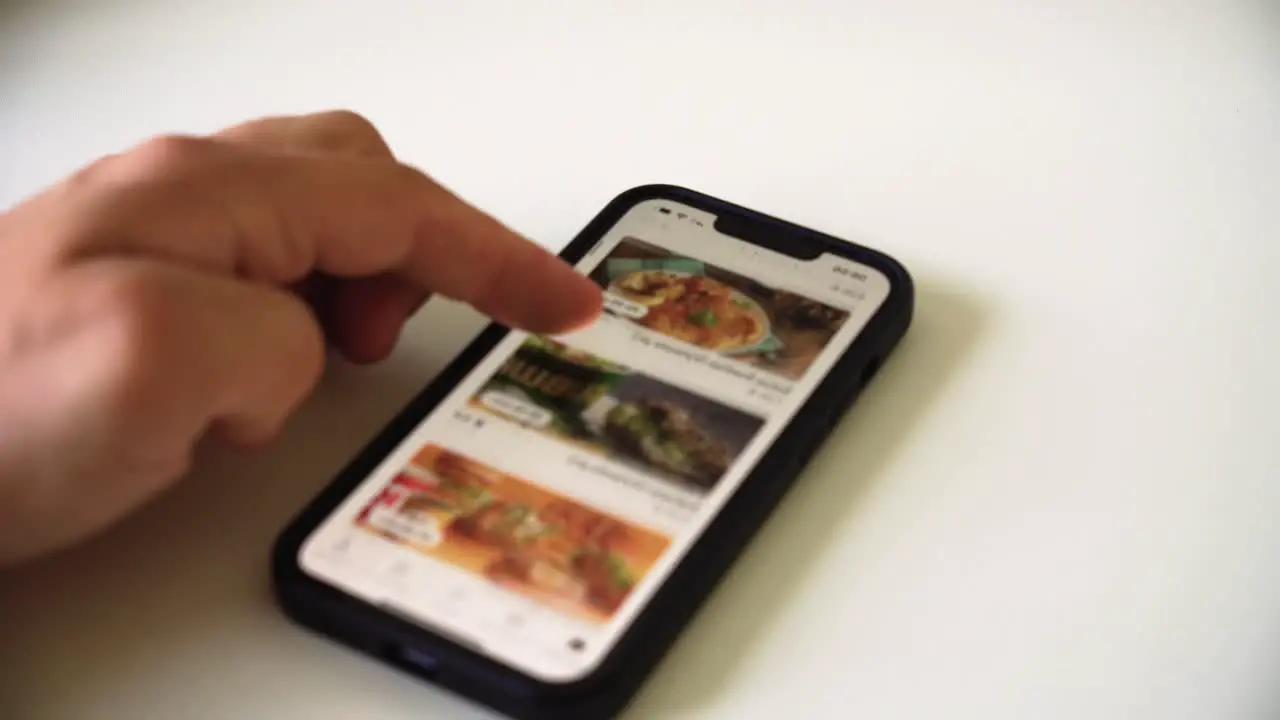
349	129
160	156
350	122
156	159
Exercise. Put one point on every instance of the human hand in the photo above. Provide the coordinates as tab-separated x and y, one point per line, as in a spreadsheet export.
189	287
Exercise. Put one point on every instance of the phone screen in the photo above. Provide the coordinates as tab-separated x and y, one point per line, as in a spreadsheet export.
532	513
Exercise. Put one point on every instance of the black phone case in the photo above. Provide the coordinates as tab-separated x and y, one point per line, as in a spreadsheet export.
605	693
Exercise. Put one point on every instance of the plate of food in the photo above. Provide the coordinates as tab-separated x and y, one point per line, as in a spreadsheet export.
696	309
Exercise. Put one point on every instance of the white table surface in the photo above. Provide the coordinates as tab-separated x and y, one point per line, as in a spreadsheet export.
1059	501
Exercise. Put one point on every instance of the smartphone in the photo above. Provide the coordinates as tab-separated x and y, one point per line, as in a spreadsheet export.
535	529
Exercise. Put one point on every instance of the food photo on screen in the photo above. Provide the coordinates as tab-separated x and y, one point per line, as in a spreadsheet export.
715	309
523	537
605	408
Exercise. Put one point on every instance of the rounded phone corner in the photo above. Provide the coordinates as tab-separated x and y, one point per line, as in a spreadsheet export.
900	279
631	197
591	696
581	682
649	191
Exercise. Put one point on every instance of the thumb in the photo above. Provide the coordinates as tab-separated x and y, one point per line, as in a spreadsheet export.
144	358
209	352
254	353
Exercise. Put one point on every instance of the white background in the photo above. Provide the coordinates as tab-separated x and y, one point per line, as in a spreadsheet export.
1058	501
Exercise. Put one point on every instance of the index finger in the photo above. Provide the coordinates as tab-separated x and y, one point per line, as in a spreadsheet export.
277	217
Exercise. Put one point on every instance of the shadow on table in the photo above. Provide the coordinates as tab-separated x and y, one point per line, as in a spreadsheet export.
947	326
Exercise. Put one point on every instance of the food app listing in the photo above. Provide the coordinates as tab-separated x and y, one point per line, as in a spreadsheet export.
532	513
